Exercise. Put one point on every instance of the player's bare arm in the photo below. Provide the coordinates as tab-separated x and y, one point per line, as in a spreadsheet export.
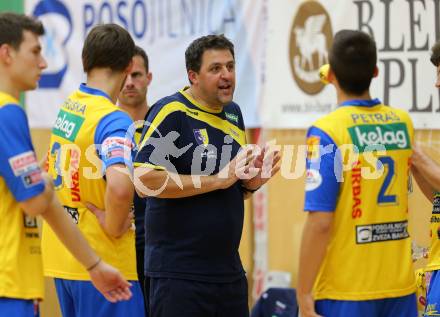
315	238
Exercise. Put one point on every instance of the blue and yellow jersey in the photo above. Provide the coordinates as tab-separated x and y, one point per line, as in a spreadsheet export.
358	168
434	251
21	273
195	237
138	202
89	136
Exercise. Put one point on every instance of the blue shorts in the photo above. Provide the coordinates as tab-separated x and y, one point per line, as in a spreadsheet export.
13	307
405	306
433	295
186	298
81	299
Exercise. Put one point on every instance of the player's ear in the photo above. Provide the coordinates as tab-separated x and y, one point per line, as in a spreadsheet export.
149	78
375	72
192	77
5	53
331	76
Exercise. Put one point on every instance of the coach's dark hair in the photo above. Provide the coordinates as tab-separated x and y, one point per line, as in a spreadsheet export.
435	54
139	51
194	52
353	59
12	26
107	46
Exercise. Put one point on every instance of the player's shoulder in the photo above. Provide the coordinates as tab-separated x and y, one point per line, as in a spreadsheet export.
11	112
117	120
331	119
232	113
174	98
232	107
119	114
166	105
399	111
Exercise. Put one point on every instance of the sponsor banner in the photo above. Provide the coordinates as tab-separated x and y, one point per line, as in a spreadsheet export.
381	232
301	33
163	28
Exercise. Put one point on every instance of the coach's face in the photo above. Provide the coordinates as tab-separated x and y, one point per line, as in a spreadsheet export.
216	79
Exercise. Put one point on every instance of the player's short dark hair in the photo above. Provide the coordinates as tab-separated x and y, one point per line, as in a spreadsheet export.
435	54
107	46
12	26
353	59
139	51
194	52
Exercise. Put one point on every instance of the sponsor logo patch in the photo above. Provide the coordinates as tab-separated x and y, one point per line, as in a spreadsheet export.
201	136
23	163
73	212
29	222
32	178
356	190
435	219
67	125
431	310
231	117
313	179
115	147
392	136
436	204
381	232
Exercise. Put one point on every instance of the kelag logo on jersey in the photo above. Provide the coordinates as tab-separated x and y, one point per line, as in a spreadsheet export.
67	125
55	40
393	136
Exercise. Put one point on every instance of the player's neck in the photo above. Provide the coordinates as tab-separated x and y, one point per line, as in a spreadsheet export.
106	81
137	112
7	87
343	96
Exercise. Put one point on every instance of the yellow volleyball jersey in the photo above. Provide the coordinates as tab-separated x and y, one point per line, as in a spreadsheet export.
434	252
21	273
422	287
139	125
78	177
369	253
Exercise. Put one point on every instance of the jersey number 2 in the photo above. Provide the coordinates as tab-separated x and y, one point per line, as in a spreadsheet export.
389	174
